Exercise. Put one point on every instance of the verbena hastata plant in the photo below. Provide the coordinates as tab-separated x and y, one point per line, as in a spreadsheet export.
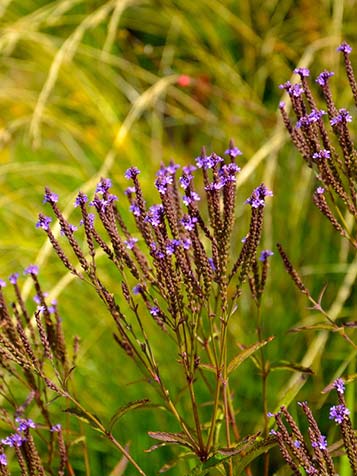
176	275
325	142
314	456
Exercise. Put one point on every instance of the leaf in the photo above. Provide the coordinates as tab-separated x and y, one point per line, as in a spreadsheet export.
259	447
322	326
124	409
242	446
120	467
86	418
246	353
293	366
171	438
209	367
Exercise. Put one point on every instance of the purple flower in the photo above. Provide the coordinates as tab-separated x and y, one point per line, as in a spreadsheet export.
339	385
13	440
215	185
322	154
320	190
3	459
345	48
292	89
323	77
72	228
190	198
208	162
101	204
228	172
188	222
171	246
338	413
282	104
91	217
188	169
56	428
272	432
80	200
303	72
186	243
134	208
185	180
103	186
154	215
257	198
37	299
162	182
297	443
314	116
13	278
270	415
322	443
168	170
156	251
24	423
233	151
32	269
131	173
211	263
50	197
154	311
264	255
130	242
128	191
343	116
137	289
43	222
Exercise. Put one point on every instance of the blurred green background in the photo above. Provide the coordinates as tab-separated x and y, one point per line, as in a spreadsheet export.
89	88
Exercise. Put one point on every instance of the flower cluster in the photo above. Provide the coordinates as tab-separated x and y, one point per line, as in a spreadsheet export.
326	145
295	449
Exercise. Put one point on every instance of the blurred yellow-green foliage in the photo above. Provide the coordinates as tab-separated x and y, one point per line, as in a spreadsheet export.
91	87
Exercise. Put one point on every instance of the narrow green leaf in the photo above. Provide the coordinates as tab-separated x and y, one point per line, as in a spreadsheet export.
246	353
86	418
171	438
293	366
124	409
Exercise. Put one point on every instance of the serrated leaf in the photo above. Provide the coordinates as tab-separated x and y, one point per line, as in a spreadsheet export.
171	438
246	353
239	447
284	365
124	409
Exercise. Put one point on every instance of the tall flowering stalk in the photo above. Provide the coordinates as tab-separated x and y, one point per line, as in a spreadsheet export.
314	456
174	263
324	139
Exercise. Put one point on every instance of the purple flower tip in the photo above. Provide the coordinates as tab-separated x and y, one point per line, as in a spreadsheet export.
130	242
342	116
257	198
56	428
103	186
154	311
302	72
3	459
320	190
339	385
338	413
81	199
233	151
32	269
25	424
137	289
264	255
13	278
43	222
322	154
50	197
2	283
131	173
323	77
321	443
345	48
282	104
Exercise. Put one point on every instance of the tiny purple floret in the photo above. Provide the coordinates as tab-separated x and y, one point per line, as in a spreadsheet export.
50	197
302	72
25	423
13	278
338	413
323	77
264	255
56	428
3	459
131	173
233	151
2	283
32	269
345	48
103	186
81	199
339	385
322	443
43	222
130	243
257	198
